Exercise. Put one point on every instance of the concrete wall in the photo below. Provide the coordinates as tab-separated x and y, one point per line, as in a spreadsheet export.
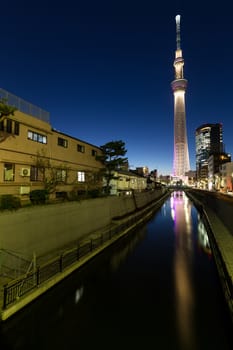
221	204
41	229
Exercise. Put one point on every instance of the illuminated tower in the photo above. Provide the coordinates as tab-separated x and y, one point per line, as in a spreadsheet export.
181	154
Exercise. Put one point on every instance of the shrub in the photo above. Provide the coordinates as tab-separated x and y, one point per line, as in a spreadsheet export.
94	193
72	196
38	196
8	201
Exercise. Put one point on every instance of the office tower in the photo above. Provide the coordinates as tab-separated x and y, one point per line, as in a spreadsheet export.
209	142
181	154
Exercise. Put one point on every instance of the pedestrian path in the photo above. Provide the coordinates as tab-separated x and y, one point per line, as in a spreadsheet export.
221	240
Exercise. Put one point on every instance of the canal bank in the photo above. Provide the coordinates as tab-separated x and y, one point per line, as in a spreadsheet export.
19	293
221	241
37	230
163	272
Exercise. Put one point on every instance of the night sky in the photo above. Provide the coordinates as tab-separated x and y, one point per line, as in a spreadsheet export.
103	69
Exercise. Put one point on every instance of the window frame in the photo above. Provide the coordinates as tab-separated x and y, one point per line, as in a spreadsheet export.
9	125
36	174
16	128
12	175
80	148
62	142
81	176
61	175
36	137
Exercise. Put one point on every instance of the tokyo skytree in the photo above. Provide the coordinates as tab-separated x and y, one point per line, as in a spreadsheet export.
181	153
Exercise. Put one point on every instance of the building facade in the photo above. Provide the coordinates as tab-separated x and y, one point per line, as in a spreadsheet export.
126	182
33	155
215	161
226	177
181	162
209	141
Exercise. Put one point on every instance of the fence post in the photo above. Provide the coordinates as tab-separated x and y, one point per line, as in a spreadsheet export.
60	263
78	252
4	296
38	276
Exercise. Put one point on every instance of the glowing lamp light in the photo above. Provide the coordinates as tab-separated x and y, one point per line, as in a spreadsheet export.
178	19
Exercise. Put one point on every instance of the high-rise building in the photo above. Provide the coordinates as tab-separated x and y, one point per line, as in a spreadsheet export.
181	154
209	141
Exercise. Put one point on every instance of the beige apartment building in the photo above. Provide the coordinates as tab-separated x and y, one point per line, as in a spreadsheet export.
125	182
33	155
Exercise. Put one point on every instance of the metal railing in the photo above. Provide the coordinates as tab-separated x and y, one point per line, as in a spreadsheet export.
18	288
24	106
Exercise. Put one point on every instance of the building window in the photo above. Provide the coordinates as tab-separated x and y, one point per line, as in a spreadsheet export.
61	175
36	174
62	142
9	172
16	131
81	148
93	152
34	136
81	176
9	126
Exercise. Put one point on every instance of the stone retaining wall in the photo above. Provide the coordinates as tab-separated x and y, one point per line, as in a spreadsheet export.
221	204
40	229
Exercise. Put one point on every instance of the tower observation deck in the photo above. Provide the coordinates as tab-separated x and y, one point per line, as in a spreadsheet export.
181	154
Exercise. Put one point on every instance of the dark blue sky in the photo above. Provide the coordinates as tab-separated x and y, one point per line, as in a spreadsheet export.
103	69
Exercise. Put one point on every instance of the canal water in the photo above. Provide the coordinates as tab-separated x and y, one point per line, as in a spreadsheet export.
157	288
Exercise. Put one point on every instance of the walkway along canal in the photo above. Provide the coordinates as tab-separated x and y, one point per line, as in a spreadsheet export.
156	287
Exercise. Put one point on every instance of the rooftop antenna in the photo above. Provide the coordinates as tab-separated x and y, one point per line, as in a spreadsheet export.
178	32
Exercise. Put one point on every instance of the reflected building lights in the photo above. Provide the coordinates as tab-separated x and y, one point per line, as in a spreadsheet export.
78	294
203	239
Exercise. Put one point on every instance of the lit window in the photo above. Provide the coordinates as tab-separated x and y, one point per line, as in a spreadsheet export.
9	172
34	136
61	175
81	176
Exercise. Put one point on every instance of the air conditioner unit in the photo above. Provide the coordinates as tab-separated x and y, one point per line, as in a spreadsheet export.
25	172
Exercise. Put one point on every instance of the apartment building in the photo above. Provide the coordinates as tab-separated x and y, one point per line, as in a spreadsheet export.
125	182
33	155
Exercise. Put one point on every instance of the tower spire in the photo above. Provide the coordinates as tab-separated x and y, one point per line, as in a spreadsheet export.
179	85
178	32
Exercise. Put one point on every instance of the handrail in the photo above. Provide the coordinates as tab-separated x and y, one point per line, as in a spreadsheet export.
19	287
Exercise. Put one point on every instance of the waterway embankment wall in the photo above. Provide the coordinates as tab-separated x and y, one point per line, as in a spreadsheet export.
221	205
41	229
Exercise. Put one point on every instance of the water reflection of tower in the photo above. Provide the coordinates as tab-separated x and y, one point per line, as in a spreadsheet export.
181	213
